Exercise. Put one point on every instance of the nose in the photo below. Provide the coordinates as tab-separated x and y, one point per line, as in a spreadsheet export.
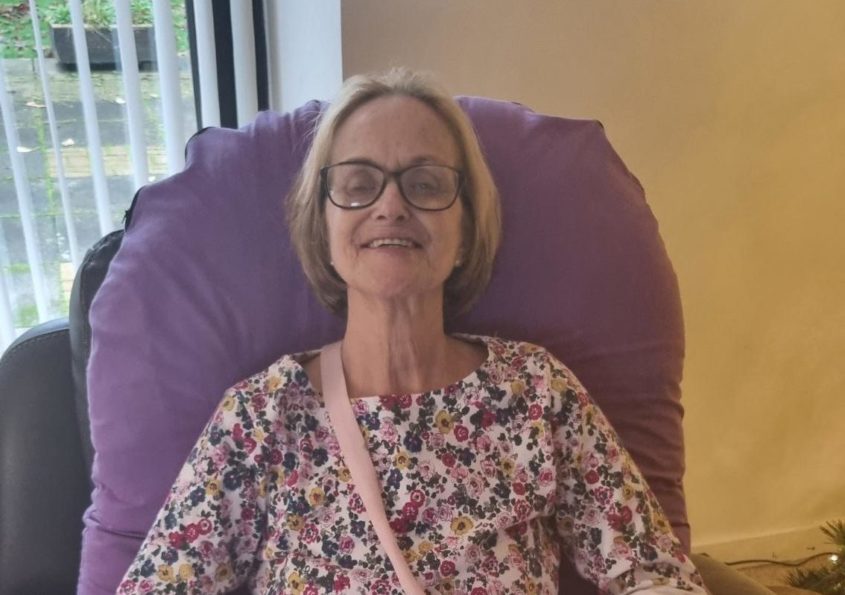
391	205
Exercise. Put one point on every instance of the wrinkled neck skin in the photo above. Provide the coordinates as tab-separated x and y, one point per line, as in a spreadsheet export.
399	347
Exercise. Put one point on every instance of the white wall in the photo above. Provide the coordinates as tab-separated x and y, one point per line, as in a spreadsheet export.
732	114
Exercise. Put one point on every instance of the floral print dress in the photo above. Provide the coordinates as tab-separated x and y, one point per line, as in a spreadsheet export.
482	481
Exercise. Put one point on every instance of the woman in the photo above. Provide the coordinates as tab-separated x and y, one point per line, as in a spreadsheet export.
488	452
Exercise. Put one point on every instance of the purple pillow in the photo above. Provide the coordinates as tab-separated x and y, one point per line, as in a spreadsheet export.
206	290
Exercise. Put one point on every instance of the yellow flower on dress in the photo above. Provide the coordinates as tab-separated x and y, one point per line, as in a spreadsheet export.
280	478
461	525
530	587
443	421
507	466
165	573
212	488
517	387
628	491
259	435
228	403
295	583
402	459
224	572
425	547
272	383
316	496
186	572
411	555
344	475
558	384
295	522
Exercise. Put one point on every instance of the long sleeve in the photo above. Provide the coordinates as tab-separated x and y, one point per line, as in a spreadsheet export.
611	524
205	537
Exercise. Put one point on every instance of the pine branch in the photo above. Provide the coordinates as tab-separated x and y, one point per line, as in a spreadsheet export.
836	532
829	580
820	580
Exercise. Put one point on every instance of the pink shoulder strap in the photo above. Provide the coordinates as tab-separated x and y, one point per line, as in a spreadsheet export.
357	457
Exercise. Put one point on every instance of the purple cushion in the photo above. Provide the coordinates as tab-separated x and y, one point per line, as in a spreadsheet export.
206	290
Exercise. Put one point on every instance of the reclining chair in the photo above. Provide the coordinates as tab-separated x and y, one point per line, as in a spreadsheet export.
202	289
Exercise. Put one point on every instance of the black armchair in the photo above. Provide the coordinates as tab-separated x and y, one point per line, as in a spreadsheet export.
45	446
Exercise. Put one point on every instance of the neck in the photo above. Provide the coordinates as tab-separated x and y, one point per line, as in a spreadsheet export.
396	347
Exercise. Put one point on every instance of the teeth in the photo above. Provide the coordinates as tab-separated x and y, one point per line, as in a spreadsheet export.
390	242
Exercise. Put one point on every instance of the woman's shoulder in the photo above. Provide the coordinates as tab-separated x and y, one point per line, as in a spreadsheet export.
504	349
284	376
519	355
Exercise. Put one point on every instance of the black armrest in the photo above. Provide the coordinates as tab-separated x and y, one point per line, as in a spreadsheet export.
87	282
44	488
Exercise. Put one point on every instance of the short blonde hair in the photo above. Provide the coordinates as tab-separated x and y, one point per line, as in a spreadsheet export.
482	218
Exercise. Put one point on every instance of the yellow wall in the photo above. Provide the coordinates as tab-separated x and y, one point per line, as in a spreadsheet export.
732	114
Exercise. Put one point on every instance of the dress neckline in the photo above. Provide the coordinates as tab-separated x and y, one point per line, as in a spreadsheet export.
468	379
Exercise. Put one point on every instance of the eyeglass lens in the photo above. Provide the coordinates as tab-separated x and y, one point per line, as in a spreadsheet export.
356	185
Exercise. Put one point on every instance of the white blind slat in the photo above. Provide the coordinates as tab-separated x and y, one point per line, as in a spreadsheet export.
64	193
7	323
21	179
132	91
171	93
7	320
206	63
89	112
243	55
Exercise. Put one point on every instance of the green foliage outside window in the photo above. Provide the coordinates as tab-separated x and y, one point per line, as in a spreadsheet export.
16	39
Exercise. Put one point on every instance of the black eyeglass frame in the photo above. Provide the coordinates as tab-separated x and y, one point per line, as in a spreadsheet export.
389	175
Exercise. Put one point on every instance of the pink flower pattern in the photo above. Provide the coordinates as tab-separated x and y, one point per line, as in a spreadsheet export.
482	481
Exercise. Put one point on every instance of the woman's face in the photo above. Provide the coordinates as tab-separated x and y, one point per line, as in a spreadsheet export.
393	133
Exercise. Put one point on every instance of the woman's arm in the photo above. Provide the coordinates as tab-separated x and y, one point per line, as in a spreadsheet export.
611	524
205	538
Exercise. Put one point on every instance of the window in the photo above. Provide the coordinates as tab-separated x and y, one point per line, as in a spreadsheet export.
80	138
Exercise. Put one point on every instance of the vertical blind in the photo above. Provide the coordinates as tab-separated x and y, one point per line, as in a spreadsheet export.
86	167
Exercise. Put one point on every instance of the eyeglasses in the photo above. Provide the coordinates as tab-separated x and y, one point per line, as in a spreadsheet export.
356	185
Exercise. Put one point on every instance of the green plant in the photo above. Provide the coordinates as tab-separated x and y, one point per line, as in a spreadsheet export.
142	12
830	579
100	13
16	35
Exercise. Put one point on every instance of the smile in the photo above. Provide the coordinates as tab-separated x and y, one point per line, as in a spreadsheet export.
400	242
